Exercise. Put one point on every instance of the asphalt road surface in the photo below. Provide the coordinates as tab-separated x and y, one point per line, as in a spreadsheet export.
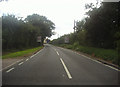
57	66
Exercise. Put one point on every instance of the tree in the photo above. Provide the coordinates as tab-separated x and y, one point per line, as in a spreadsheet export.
101	25
3	0
18	34
44	26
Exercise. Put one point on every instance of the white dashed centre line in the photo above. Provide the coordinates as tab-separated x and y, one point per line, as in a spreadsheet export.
55	49
57	53
10	70
68	73
20	63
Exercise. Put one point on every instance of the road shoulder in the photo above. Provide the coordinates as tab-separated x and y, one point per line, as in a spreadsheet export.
95	58
11	61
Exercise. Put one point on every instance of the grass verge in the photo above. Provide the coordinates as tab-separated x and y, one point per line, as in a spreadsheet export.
21	53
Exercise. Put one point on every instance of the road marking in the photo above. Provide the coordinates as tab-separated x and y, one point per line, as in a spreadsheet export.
11	64
10	70
54	49
31	57
27	59
68	73
21	63
111	67
96	61
36	53
100	62
57	53
19	60
93	60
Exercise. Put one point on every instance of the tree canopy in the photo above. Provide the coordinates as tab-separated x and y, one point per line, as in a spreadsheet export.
23	33
100	28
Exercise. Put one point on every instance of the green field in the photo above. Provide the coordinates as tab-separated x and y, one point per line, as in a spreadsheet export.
21	53
105	54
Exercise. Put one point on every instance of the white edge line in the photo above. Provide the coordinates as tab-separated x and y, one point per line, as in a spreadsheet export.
93	60
27	59
21	63
31	56
36	53
10	70
111	67
68	73
11	64
99	62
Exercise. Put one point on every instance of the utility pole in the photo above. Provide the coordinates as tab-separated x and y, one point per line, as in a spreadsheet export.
74	26
58	35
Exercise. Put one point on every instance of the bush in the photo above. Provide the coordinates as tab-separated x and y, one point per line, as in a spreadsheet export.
75	45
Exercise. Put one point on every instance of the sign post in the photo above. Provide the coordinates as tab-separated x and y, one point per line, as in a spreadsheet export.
66	39
39	39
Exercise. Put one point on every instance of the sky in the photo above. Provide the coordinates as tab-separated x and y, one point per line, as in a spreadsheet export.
61	12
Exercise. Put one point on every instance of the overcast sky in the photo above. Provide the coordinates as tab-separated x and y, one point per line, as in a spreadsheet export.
61	12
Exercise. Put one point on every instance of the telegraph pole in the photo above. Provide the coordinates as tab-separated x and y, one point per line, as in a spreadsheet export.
58	35
74	26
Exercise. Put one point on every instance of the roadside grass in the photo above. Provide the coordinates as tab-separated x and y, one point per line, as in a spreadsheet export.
105	54
21	53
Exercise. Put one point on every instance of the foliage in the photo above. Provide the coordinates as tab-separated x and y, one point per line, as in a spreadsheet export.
100	29
23	33
59	40
106	54
3	0
102	24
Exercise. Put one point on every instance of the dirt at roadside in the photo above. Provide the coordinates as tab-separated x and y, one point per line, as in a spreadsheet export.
7	62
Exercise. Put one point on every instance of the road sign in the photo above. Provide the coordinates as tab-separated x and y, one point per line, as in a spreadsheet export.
66	39
39	39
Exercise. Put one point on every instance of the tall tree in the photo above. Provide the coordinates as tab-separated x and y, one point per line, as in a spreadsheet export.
44	26
18	34
101	25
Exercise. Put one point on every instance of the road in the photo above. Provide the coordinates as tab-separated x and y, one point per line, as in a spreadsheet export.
58	66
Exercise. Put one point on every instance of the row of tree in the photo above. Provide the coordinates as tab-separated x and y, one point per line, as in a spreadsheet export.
99	29
18	33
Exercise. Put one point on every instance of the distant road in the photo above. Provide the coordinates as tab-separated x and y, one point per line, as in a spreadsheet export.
57	66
